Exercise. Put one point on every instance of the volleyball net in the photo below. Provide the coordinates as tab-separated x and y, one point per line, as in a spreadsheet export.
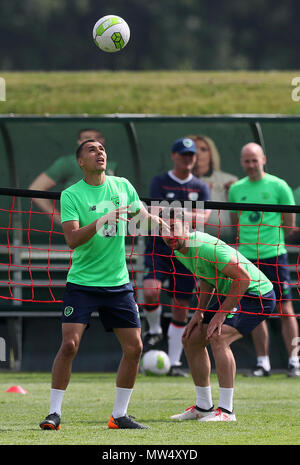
34	257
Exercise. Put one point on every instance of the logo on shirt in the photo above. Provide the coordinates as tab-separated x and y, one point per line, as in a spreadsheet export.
170	195
254	217
265	195
93	208
115	200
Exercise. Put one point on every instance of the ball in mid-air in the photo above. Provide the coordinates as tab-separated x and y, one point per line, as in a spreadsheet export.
155	362
111	33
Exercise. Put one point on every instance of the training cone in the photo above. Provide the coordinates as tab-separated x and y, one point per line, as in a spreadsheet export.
17	390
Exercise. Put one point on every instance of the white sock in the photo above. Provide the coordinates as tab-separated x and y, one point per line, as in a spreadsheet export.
121	402
264	361
203	397
294	361
56	398
226	398
175	346
153	318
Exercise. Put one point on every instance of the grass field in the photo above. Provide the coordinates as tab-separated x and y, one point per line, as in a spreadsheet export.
266	410
165	92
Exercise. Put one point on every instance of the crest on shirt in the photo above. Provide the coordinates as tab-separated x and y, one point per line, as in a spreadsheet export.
254	217
115	200
93	208
170	195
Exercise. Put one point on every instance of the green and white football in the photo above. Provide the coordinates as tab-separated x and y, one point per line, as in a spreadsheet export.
111	33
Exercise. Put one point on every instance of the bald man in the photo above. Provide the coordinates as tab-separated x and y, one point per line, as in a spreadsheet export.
261	238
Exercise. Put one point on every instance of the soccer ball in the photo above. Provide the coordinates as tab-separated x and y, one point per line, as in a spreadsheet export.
111	33
155	362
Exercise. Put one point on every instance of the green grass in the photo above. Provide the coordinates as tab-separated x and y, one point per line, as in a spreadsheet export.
165	92
266	410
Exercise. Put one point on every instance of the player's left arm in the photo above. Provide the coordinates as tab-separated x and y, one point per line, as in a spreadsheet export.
240	283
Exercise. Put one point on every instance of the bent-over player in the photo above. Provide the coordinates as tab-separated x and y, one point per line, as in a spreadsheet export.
244	297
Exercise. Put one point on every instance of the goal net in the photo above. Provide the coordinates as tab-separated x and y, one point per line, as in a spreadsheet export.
34	257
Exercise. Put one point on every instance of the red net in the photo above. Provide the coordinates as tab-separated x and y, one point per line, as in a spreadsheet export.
34	258
34	261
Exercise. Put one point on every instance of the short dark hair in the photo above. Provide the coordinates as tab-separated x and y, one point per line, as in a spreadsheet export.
80	147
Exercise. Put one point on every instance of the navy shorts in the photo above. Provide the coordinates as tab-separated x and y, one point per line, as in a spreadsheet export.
116	305
251	311
277	270
181	281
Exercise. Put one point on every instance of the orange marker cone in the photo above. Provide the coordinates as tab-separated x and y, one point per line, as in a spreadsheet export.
17	390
